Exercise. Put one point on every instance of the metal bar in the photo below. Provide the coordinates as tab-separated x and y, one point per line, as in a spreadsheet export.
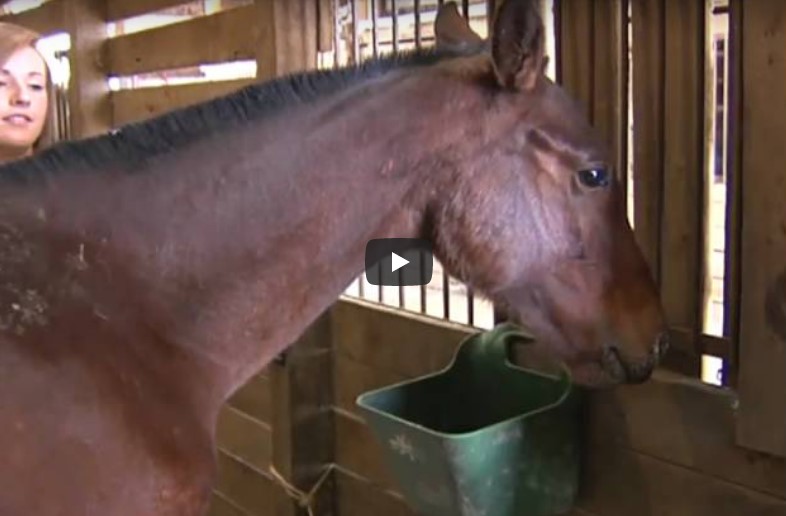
422	285
374	39
418	40
470	306
465	8
394	15
446	293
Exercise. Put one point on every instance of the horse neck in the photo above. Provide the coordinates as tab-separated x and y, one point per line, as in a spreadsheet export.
237	243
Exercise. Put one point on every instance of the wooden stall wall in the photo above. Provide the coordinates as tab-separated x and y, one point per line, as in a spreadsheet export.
671	447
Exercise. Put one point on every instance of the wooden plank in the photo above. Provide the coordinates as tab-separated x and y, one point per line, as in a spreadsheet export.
246	487
618	482
287	37
121	9
648	93
610	80
225	36
356	450
681	248
301	395
46	19
244	437
88	92
326	12
142	103
352	378
762	377
684	423
356	496
221	506
253	398
402	343
576	56
733	256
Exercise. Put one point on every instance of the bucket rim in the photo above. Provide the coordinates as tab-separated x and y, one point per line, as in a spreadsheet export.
565	378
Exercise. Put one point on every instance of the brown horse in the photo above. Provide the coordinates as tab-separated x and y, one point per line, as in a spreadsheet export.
146	274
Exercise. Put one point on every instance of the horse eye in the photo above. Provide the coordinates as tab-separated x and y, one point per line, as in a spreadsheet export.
594	177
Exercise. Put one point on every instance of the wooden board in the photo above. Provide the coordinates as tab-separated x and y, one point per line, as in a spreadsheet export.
121	9
762	377
648	73
47	19
684	423
576	56
301	418
401	343
356	496
142	103
244	437
225	36
88	92
288	38
681	245
618	482
248	488
253	398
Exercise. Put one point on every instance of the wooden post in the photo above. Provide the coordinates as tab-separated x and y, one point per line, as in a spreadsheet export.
762	377
302	418
85	20
301	392
287	37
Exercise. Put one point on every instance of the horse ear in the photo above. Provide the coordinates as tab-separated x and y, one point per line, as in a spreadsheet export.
518	44
452	30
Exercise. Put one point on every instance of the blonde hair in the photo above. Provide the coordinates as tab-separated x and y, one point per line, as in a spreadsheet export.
12	38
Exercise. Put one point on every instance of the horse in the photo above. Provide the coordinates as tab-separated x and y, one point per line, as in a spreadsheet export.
147	273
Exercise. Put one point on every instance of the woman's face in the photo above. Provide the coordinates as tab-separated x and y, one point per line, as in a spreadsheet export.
23	99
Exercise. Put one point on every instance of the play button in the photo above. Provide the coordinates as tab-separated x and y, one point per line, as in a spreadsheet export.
399	261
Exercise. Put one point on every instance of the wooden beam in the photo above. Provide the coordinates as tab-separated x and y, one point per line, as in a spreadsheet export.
648	94
224	36
681	231
610	80
47	19
88	92
301	395
762	376
287	38
121	9
142	103
576	56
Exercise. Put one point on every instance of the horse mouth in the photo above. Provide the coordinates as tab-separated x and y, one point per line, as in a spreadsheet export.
622	371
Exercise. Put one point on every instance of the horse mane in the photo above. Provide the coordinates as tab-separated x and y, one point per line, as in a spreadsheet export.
129	147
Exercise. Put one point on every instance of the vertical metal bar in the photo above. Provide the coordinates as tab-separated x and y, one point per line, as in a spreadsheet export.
417	24
336	35
422	285
465	8
394	14
470	306
446	293
374	39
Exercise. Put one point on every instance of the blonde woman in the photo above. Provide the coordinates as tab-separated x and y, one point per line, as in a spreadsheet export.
26	121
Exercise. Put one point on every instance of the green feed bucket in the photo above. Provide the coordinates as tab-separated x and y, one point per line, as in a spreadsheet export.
482	437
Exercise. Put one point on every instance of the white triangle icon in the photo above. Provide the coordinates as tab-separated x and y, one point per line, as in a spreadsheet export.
397	262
